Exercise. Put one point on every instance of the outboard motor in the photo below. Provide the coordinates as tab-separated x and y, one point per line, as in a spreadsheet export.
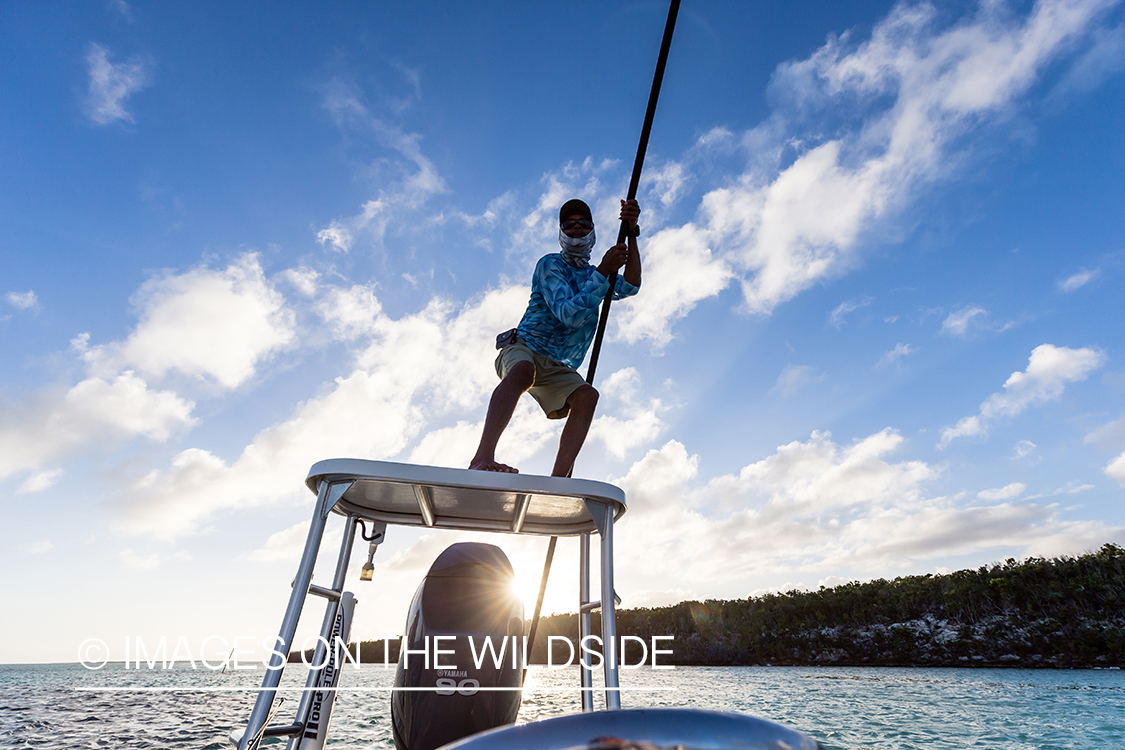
466	601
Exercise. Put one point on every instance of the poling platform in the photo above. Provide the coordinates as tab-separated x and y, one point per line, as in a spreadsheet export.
374	494
411	495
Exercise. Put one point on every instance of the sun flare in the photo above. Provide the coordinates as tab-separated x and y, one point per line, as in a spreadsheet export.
527	589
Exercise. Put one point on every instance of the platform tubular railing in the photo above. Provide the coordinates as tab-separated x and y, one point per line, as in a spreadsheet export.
584	621
607	605
327	496
321	657
609	616
318	697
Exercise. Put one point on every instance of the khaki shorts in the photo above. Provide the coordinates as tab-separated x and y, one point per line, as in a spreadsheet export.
554	381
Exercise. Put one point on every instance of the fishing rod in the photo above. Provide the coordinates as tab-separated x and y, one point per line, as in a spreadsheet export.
622	234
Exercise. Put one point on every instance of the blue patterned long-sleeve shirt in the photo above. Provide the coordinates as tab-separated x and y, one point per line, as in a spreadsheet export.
562	314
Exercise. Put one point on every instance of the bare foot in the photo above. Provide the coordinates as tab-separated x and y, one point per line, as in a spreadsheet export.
493	465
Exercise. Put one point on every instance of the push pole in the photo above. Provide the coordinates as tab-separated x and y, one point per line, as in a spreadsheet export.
634	182
539	607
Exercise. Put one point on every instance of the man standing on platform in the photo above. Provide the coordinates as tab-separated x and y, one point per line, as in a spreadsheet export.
541	354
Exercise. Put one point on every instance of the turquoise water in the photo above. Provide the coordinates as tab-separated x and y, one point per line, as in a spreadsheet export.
44	706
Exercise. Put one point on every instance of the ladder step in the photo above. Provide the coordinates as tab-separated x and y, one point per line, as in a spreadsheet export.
287	730
591	606
330	594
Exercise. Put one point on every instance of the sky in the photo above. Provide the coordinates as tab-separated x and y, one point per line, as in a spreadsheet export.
876	335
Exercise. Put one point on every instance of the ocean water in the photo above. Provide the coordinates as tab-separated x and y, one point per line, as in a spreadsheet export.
48	706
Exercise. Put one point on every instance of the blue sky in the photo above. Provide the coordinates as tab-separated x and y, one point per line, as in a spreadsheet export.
878	333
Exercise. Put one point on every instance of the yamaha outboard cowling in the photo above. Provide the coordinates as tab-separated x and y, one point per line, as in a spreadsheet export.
465	609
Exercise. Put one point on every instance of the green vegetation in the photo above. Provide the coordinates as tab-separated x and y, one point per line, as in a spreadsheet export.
1063	612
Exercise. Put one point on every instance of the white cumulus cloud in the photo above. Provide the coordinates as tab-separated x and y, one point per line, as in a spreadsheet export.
819	507
285	545
666	182
838	315
1078	280
1014	489
1104	58
958	321
336	236
894	356
407	181
939	84
96	410
412	371
111	85
303	279
351	312
680	269
40	480
1048	371
1110	436
634	423
23	300
1115	469
205	323
921	92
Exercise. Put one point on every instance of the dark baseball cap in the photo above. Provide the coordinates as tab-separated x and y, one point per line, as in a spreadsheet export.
572	207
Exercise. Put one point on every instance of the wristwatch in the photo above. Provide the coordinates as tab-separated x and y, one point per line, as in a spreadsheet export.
634	232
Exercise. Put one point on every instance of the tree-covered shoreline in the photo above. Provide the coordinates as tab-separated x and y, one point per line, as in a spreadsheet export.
1064	612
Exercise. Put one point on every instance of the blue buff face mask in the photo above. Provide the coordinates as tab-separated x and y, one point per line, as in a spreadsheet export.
576	250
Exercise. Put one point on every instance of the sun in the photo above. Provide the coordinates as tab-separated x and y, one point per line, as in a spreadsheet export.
527	589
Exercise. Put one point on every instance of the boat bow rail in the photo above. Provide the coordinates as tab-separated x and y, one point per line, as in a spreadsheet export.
643	729
412	495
